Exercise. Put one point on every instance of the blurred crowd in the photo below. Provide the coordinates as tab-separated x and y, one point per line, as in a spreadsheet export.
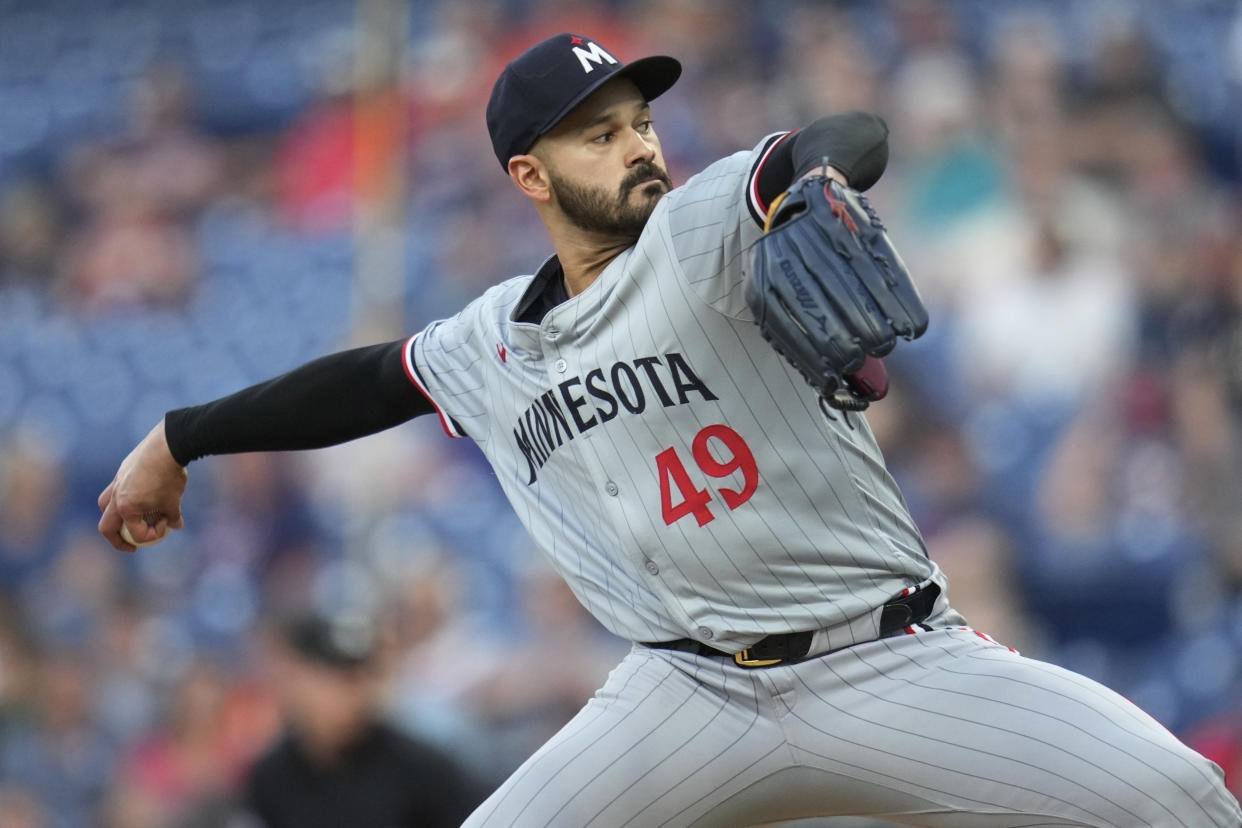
196	196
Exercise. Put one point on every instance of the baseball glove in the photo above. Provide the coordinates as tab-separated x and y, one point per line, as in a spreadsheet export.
830	292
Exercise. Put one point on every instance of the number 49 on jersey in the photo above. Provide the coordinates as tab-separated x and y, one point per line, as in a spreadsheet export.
695	501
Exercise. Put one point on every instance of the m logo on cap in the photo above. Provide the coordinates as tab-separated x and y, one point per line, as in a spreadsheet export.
539	87
595	55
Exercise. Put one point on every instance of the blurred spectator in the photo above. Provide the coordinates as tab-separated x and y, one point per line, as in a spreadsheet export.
1119	94
1110	532
59	754
66	603
19	808
127	253
189	760
16	666
314	162
829	64
443	656
542	680
938	474
133	247
32	491
1027	83
1206	431
174	163
1055	330
978	556
339	763
262	519
950	170
125	699
31	226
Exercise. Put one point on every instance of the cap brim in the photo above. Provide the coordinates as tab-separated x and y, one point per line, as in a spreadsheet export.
653	76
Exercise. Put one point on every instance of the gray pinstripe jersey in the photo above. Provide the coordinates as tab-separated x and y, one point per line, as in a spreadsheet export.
681	477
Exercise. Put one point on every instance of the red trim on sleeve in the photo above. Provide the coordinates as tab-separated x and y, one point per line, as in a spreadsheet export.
760	206
411	371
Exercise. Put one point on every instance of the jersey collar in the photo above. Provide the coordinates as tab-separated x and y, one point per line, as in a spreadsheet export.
545	292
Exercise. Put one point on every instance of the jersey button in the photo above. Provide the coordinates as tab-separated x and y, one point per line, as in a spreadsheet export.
706	633
611	488
552	333
561	365
652	567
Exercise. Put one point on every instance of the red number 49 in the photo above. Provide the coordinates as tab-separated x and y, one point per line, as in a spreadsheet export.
695	501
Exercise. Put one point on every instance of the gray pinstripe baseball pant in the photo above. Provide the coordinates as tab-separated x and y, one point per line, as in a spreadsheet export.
942	728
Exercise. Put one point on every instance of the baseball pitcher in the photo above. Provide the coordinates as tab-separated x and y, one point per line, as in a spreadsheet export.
670	403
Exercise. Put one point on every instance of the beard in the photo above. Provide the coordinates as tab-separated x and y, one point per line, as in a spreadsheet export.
593	209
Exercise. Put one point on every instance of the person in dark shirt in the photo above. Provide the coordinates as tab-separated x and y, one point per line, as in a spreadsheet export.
338	763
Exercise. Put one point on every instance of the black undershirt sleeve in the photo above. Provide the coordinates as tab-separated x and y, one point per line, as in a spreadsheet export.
327	401
856	143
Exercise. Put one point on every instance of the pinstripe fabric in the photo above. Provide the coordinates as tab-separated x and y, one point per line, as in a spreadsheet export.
604	423
824	540
941	729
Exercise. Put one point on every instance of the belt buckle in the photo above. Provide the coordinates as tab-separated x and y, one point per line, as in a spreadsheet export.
743	659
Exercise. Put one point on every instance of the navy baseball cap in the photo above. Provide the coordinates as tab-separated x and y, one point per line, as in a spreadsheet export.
540	86
344	643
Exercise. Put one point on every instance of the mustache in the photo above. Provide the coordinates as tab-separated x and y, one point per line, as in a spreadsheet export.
642	173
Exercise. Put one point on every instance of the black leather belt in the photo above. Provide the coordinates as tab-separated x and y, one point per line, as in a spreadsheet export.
911	607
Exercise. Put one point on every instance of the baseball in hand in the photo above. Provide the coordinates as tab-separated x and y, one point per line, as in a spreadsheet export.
129	538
